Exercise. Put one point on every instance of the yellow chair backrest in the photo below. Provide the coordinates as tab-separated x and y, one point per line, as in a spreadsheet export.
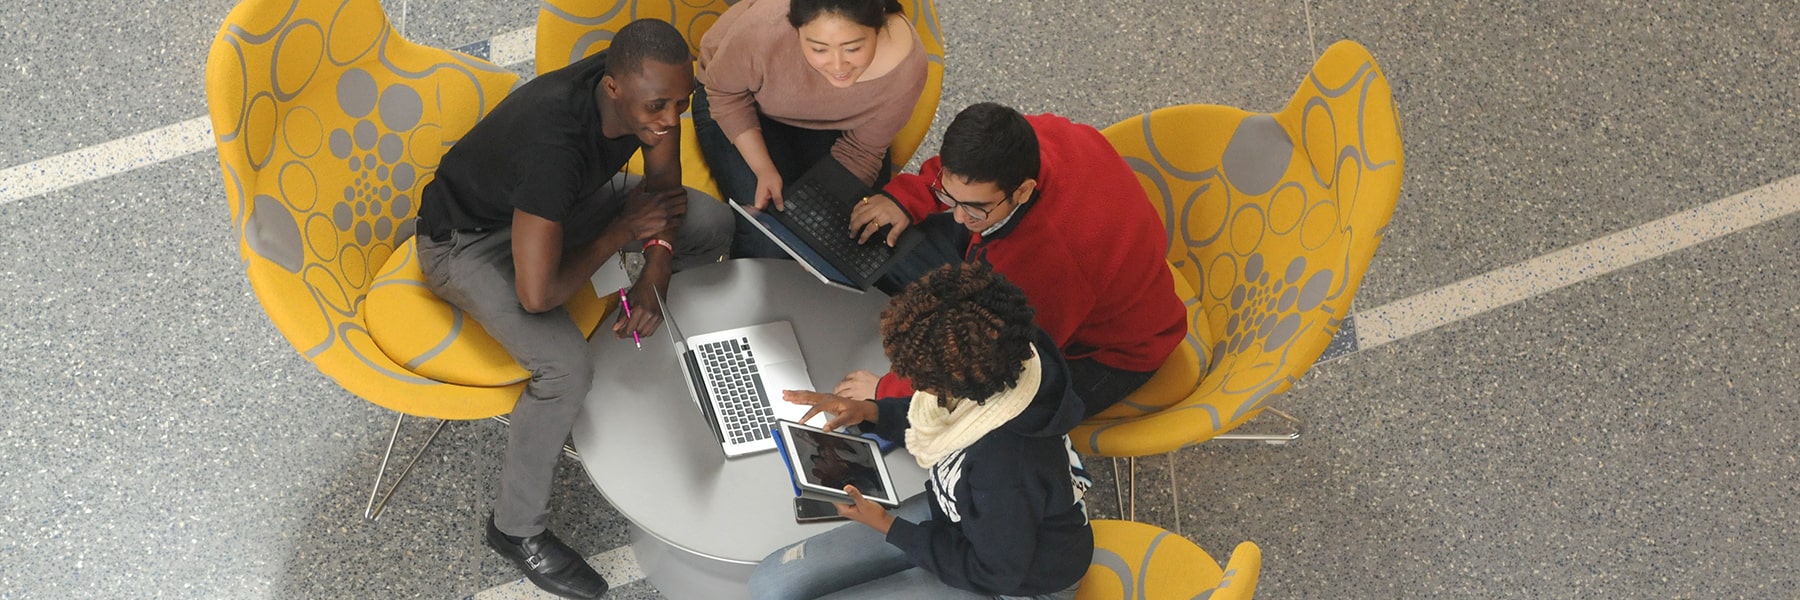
923	14
1135	561
570	30
328	125
1271	220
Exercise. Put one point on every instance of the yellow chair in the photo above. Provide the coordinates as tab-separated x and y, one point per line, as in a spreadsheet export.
328	125
569	30
923	14
1134	561
1271	220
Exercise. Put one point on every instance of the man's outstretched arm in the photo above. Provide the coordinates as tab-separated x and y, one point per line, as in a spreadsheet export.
546	279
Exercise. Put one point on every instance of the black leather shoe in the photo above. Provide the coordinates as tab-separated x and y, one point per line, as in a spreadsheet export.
549	563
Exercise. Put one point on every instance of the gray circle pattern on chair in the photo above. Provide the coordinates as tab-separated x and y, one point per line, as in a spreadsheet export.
1266	225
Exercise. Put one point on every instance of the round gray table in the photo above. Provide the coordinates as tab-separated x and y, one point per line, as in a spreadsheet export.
701	523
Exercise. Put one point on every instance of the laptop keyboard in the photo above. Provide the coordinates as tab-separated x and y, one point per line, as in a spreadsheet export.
737	391
827	220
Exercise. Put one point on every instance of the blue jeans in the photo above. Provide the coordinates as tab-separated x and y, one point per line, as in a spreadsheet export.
1101	386
854	562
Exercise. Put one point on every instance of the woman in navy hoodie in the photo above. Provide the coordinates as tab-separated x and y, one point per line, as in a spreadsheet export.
1002	514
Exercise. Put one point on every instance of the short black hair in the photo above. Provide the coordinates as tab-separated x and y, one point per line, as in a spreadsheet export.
961	330
645	39
867	13
991	143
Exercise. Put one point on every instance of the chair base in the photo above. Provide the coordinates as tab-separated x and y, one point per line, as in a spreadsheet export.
1129	510
378	501
372	510
1295	429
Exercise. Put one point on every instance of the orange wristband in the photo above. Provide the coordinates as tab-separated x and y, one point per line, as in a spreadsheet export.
656	242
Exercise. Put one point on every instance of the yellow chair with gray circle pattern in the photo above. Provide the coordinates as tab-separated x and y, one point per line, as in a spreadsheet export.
1134	561
1272	220
328	125
569	30
923	14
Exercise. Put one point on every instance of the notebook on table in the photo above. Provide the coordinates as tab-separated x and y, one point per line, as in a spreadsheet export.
820	463
736	377
814	227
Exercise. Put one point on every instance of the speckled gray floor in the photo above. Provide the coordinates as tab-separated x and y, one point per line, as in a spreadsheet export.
1630	436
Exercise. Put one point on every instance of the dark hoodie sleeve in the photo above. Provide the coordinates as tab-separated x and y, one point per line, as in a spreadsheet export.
993	550
891	420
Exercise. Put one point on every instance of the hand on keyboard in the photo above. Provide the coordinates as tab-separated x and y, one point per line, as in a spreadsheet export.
874	213
768	187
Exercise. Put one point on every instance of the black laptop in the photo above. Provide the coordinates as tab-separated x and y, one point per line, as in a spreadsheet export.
815	223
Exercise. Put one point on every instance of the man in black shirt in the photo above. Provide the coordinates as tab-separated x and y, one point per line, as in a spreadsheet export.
524	209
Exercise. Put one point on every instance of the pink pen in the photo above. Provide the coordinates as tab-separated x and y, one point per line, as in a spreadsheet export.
626	303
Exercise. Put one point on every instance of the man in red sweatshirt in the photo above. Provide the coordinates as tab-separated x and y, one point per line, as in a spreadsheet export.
1049	204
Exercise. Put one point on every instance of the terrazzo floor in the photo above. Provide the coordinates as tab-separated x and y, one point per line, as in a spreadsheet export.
1630	435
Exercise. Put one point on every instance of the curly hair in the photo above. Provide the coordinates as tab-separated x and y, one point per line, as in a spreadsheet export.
960	331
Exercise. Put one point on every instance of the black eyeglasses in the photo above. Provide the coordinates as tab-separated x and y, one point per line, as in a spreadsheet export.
976	211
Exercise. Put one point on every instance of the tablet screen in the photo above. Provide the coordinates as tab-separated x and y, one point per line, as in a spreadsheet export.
829	461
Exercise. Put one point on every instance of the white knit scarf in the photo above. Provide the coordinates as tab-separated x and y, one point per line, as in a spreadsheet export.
937	431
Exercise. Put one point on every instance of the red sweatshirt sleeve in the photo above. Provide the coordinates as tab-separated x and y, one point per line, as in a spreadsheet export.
913	192
893	386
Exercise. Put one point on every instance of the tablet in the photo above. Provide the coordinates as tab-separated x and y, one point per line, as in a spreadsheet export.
820	463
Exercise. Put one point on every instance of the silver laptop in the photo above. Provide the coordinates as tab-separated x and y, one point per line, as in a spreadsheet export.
736	377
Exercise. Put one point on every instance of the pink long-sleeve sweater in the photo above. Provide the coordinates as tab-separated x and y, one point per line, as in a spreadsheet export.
751	62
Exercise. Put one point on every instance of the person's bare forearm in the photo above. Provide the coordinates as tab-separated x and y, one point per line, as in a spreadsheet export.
578	268
755	153
658	268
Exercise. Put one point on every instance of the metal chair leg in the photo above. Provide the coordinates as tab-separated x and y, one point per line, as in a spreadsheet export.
1118	487
1133	485
1128	504
1276	439
372	510
378	501
1175	493
1127	509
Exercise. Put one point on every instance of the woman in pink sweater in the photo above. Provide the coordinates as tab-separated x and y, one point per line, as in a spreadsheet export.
787	83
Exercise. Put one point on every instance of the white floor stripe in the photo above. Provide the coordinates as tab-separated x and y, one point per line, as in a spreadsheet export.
513	47
618	565
174	141
105	160
1475	295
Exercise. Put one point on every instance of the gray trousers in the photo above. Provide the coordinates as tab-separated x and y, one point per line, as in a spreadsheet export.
474	272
